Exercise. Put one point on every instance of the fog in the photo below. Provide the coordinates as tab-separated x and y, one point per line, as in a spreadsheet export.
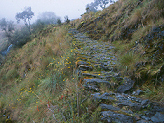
72	8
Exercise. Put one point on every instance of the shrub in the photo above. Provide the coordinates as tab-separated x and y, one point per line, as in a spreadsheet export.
21	37
37	26
58	21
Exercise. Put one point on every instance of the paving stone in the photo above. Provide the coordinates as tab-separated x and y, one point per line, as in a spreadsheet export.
119	106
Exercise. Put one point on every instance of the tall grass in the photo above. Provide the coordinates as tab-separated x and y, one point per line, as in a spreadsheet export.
36	75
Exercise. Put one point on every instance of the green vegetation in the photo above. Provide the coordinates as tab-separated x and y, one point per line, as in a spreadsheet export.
3	41
38	81
135	29
41	66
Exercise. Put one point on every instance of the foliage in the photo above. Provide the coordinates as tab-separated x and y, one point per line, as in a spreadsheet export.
66	19
59	21
20	37
48	18
26	16
50	59
8	27
38	26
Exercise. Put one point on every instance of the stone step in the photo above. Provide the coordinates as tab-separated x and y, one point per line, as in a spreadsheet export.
115	106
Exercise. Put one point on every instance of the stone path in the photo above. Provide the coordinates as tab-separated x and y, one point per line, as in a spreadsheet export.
97	72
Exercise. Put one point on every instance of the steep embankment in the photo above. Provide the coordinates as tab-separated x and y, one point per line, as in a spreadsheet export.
41	82
136	29
34	75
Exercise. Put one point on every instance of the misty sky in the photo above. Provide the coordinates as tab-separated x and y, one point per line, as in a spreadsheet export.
72	8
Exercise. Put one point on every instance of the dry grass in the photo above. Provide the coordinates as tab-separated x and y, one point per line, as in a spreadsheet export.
24	95
38	75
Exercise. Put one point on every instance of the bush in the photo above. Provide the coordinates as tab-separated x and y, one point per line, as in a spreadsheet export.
38	26
58	21
21	37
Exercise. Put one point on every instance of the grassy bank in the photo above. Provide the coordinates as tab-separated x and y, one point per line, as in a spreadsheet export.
36	74
135	28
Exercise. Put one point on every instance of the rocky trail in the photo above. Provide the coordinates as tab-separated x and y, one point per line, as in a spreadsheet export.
113	93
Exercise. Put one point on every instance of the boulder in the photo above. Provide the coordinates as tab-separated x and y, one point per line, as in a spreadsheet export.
111	117
128	85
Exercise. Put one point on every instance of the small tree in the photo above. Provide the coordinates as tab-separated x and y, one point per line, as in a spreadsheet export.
66	19
21	37
8	27
26	16
38	26
58	21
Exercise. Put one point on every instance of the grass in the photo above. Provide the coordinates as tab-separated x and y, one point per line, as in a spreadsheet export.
38	83
125	24
36	73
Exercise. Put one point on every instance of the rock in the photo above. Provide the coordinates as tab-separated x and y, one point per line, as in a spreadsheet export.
89	75
144	102
81	63
96	81
127	100
133	106
85	68
138	92
104	96
143	121
149	113
111	117
109	107
106	119
158	118
145	118
92	87
93	84
106	68
157	108
128	84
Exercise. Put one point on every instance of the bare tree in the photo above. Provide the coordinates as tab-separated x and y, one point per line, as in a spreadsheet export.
26	16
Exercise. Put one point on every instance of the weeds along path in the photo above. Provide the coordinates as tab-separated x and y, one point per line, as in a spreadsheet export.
105	89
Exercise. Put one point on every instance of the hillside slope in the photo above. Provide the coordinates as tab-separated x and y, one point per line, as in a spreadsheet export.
136	29
110	70
33	75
